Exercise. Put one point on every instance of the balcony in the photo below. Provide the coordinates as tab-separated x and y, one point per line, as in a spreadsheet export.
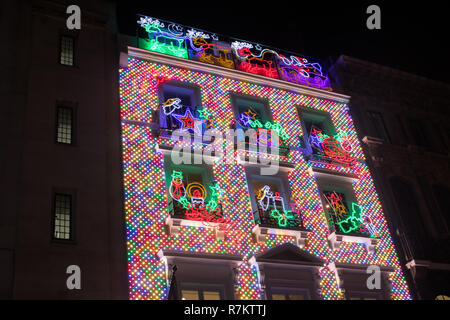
267	224
178	218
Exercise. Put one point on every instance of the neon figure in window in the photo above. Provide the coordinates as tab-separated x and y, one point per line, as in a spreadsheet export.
267	134
341	219
189	202
182	117
272	210
330	149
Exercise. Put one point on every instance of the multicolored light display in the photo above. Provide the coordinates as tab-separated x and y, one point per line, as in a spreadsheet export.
146	195
185	42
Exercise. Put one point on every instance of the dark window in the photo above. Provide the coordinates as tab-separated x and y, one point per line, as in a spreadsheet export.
418	133
401	135
64	125
441	194
66	56
380	130
62	218
191	183
437	140
408	206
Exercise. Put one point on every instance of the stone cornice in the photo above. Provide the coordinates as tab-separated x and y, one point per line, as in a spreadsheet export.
236	74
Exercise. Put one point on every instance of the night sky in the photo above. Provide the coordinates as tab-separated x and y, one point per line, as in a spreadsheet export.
414	35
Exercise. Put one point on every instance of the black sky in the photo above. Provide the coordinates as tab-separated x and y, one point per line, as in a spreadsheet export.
414	36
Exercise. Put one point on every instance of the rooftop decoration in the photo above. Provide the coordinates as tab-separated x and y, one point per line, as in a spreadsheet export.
194	44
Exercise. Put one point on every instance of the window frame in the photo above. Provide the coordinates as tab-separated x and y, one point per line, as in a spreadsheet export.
205	170
264	103
74	47
328	183
286	291
201	287
372	116
330	130
282	181
72	108
195	96
72	227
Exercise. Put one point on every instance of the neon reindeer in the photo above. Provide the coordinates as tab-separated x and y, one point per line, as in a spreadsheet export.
164	42
301	71
203	55
258	64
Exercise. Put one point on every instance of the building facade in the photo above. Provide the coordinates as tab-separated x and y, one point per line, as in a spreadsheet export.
212	228
403	121
90	179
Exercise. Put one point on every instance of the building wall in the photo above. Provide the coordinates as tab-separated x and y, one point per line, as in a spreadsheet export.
408	165
34	166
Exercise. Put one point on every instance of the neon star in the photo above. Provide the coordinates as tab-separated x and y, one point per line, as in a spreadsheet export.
188	122
251	114
245	119
315	141
334	199
204	113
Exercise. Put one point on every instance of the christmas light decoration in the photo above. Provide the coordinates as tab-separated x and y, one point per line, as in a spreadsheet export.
192	199
174	40
335	149
147	197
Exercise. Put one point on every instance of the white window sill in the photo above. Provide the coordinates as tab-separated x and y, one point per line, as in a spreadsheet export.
260	234
335	241
173	226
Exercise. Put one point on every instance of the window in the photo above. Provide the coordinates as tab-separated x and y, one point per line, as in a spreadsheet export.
408	207
289	294
362	298
207	292
354	283
320	120
179	107
418	133
249	110
379	127
313	123
343	213
62	218
66	56
270	196
252	113
201	277
441	194
64	125
191	190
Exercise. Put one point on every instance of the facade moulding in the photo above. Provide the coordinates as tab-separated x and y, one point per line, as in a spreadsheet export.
234	74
